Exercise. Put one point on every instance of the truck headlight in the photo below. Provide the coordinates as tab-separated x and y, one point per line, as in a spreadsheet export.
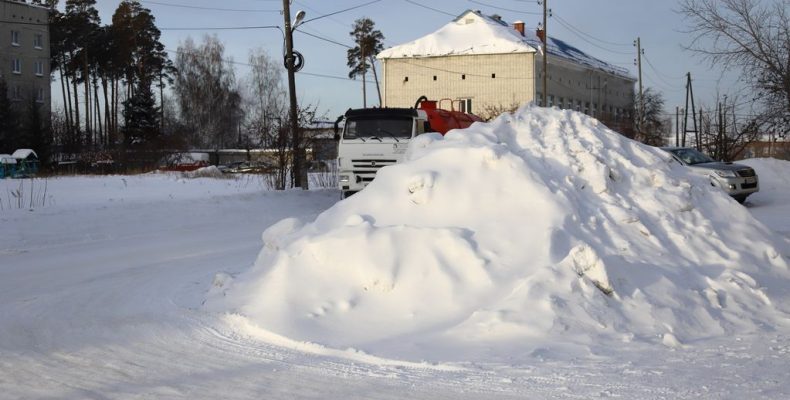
344	178
726	174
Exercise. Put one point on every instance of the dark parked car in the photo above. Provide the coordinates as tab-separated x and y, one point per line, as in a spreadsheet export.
738	180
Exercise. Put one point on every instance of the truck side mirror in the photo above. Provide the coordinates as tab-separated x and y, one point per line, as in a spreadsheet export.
337	127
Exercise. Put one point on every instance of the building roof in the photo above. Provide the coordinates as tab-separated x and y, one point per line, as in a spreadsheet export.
22	154
470	33
473	33
7	159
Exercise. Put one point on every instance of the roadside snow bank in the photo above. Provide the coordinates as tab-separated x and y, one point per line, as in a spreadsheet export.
542	229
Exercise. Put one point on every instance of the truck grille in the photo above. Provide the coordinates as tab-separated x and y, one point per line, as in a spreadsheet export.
745	173
373	164
748	185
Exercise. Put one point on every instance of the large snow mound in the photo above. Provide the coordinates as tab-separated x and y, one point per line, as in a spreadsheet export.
540	230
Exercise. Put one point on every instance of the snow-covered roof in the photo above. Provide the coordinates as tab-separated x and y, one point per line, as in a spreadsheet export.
22	154
7	159
470	33
475	33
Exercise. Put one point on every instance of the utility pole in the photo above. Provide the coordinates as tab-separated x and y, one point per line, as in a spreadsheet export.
690	95
639	53
299	172
545	53
677	126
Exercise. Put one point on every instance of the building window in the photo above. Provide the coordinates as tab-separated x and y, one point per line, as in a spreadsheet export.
14	38
465	105
405	78
40	95
15	93
434	77
561	102
39	68
587	107
551	100
16	66
578	105
493	76
539	98
463	76
38	41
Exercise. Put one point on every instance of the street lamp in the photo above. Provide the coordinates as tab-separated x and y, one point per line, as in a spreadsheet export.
299	170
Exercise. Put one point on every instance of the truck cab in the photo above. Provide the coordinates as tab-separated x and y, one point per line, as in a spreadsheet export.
373	138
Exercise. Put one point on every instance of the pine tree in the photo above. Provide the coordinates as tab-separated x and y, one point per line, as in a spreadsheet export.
369	42
141	117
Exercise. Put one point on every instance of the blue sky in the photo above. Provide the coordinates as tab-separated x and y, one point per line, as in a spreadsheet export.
605	29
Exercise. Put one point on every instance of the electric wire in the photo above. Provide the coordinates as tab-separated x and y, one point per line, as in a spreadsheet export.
430	8
659	73
207	8
505	9
221	28
324	39
573	28
230	61
581	36
341	11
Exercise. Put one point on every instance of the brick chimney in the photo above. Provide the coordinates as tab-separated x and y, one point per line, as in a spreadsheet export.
519	26
541	34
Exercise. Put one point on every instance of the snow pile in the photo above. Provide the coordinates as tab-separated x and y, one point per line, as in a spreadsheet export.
540	230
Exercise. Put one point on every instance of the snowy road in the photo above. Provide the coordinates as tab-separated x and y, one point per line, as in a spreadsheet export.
102	302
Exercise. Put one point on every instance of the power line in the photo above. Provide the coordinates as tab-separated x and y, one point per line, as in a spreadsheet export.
229	61
221	28
341	11
659	73
324	39
207	8
570	26
429	8
504	9
582	37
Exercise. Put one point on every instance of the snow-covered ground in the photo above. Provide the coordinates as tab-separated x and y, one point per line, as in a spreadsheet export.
577	265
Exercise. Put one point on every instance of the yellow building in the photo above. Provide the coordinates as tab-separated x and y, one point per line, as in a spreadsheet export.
483	64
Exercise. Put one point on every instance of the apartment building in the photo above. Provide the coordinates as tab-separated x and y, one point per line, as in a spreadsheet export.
24	54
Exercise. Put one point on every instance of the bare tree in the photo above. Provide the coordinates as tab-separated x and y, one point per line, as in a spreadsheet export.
751	35
654	126
207	93
265	99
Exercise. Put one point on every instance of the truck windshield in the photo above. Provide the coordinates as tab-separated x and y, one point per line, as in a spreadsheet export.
389	127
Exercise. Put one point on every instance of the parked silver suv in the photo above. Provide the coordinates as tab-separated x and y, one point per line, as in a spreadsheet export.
738	180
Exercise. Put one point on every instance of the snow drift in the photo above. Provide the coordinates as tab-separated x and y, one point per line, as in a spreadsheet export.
539	231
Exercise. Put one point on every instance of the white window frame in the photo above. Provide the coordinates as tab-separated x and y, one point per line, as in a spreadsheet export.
38	41
465	105
39	68
40	95
14	38
16	66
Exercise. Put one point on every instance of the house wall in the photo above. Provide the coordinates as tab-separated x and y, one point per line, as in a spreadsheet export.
29	23
496	80
592	91
517	80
